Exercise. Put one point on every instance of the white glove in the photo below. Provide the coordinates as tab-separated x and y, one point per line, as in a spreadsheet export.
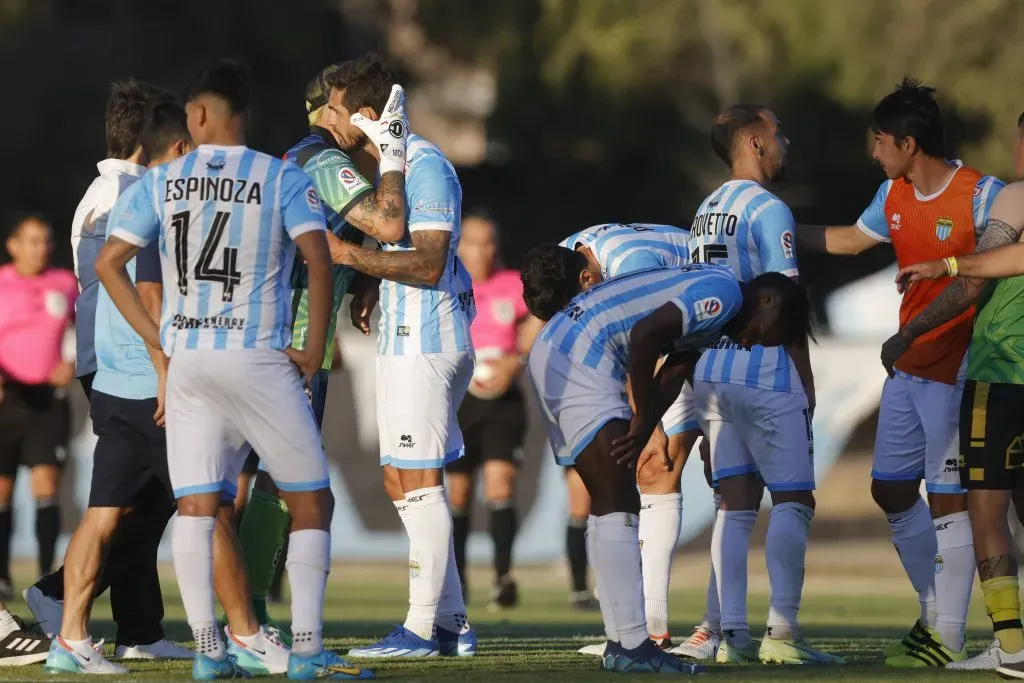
389	133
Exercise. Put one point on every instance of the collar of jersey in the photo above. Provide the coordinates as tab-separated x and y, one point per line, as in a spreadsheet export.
120	167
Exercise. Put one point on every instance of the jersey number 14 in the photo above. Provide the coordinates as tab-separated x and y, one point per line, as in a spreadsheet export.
227	274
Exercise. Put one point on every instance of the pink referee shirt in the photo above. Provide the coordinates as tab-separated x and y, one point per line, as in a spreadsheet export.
499	308
34	313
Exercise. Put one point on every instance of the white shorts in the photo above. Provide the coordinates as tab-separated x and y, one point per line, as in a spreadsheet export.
218	400
418	399
682	414
918	433
753	430
576	401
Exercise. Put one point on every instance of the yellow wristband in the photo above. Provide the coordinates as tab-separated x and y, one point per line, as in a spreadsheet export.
951	266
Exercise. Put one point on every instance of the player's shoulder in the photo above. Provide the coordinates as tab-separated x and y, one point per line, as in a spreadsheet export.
61	278
507	280
423	155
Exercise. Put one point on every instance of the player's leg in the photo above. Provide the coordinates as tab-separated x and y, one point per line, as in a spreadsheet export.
45	490
896	474
581	597
460	479
9	461
45	447
245	484
262	532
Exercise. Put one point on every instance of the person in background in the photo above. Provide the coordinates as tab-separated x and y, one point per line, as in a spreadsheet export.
493	414
35	361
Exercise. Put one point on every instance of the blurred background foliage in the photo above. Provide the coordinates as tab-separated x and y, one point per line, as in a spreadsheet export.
558	113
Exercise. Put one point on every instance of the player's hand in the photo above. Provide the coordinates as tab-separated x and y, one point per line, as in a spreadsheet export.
339	248
161	397
389	133
306	361
705	457
627	448
364	301
893	348
656	448
929	270
62	375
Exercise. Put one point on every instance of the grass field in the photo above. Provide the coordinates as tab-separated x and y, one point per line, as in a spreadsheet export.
856	601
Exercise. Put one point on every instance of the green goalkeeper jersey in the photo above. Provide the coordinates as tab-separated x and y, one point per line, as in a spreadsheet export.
996	354
340	186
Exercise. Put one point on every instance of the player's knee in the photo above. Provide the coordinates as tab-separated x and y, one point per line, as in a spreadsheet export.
615	497
392	484
658	481
805	498
500	485
943	504
894	497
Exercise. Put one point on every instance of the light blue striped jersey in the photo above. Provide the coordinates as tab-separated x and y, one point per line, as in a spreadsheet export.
418	319
745	227
593	329
623	248
226	218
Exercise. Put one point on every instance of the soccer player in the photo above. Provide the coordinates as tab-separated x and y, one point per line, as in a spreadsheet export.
127	418
229	220
130	570
595	360
929	208
353	207
611	250
424	361
493	415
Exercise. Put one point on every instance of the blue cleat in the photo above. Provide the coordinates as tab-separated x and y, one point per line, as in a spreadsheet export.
206	668
399	643
327	665
648	658
456	645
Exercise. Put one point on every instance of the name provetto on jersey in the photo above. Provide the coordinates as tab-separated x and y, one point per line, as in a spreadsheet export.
714	224
238	190
214	322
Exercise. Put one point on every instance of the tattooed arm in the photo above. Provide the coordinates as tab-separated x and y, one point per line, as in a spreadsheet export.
422	265
382	214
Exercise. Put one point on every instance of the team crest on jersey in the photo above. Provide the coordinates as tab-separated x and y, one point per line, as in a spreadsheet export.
56	304
894	226
312	200
706	309
504	311
944	228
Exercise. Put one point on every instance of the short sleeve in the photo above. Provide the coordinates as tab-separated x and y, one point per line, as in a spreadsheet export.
706	307
300	203
147	264
773	228
434	194
873	222
982	199
641	259
137	222
337	180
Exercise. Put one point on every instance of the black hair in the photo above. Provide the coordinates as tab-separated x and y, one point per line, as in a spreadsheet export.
165	125
911	111
226	79
16	219
126	112
1020	120
367	82
794	306
551	278
728	126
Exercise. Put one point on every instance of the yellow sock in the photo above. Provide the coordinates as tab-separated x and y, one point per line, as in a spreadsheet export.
1002	600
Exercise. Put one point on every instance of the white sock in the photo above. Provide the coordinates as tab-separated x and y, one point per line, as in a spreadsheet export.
81	646
712	612
308	563
954	577
660	518
451	610
429	525
730	542
785	550
192	548
615	557
606	614
914	536
7	623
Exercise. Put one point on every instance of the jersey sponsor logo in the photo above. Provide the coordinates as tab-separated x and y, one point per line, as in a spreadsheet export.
504	311
977	192
215	322
405	441
348	178
312	200
894	224
56	304
397	129
237	190
708	308
944	228
402	331
787	244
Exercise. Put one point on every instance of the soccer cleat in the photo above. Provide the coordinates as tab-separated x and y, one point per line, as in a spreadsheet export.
989	660
62	659
730	653
399	643
914	637
929	652
206	668
23	647
504	594
595	649
327	665
48	612
1011	670
663	642
451	644
584	601
161	649
269	662
793	651
701	645
648	658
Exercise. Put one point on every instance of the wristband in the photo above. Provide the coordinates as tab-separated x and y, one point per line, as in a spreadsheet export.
951	266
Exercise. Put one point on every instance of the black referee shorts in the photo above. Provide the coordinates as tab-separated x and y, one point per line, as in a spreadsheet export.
492	429
35	427
131	450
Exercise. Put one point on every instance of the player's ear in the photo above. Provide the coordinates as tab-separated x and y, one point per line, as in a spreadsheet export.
587	280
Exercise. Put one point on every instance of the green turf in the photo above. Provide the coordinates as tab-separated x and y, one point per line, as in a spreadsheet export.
539	639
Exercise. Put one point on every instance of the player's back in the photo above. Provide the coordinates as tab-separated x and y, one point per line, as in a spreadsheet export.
227	217
594	327
623	248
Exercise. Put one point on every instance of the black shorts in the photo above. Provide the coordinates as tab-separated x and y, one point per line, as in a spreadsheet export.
991	436
492	429
35	426
130	451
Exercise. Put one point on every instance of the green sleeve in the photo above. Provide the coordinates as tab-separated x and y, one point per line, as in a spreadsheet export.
336	179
